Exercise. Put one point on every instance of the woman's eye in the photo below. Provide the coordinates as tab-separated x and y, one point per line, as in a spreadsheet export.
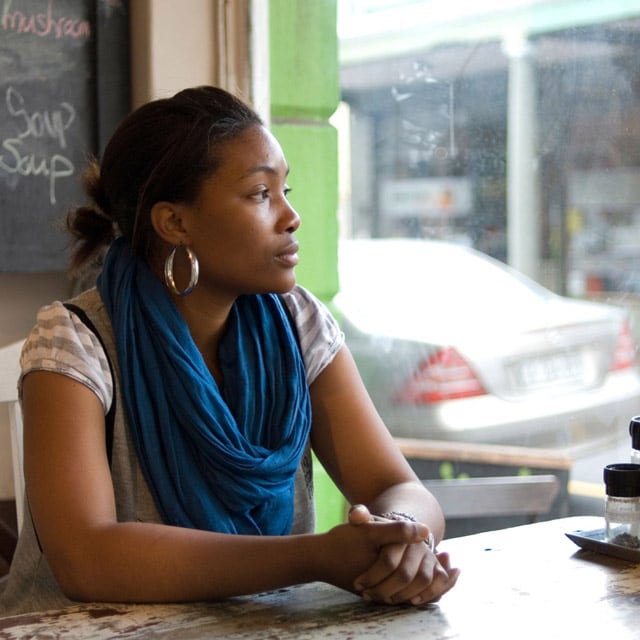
265	194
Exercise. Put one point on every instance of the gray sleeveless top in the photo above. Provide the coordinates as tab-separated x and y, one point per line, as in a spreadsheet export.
31	585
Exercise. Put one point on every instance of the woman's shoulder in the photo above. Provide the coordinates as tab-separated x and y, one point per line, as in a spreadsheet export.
304	305
60	342
319	333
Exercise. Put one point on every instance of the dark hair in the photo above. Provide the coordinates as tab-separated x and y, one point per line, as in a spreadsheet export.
161	151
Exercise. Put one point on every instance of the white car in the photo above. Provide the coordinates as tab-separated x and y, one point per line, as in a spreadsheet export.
454	345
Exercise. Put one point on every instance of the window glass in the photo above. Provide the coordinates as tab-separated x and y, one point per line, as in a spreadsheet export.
507	130
434	127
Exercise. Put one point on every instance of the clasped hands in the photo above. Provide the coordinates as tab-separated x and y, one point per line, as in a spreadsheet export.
404	572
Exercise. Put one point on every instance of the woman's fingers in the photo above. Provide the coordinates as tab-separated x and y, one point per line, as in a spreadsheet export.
405	569
384	577
382	531
407	573
422	589
359	514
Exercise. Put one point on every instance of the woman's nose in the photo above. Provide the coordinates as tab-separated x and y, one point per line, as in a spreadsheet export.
291	218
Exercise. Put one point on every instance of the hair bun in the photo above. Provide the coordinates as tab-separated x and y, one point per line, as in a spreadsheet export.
92	230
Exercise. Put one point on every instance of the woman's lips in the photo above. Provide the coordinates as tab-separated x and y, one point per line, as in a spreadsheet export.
289	256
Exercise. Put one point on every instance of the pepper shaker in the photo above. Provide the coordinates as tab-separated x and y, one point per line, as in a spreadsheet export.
634	432
622	504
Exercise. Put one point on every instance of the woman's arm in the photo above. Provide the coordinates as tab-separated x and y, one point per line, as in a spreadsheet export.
358	452
94	557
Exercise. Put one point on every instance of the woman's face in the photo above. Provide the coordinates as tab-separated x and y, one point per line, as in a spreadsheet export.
241	226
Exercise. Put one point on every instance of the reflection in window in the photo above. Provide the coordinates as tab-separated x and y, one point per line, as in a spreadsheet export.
514	129
511	127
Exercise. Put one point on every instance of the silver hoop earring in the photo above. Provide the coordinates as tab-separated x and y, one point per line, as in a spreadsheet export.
168	271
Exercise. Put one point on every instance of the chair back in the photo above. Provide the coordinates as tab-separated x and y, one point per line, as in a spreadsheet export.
9	373
531	496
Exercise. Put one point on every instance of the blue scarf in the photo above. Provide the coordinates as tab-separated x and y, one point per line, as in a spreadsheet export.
217	459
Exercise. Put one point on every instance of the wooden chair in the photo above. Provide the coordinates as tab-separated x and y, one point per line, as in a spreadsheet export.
530	496
9	373
495	492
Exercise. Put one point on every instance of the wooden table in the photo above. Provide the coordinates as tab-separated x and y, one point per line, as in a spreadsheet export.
520	583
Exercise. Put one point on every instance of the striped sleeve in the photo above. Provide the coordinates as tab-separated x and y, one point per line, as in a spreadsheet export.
61	343
319	333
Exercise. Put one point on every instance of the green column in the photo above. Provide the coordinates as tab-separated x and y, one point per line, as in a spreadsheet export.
304	95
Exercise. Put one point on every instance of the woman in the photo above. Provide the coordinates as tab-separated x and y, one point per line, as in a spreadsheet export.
169	413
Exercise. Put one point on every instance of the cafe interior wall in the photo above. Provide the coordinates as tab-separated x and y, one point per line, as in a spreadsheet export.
161	64
251	48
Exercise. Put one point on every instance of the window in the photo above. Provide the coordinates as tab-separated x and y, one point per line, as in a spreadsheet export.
511	129
433	117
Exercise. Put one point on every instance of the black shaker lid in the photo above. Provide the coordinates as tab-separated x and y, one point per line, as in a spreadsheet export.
622	479
634	432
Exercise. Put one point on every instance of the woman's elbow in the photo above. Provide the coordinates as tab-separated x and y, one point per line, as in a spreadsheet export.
81	571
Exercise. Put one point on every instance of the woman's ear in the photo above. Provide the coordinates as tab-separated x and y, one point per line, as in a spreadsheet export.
168	223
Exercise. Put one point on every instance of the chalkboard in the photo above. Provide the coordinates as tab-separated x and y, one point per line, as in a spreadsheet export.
64	84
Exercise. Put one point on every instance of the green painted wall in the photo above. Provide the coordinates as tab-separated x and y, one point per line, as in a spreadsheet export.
304	94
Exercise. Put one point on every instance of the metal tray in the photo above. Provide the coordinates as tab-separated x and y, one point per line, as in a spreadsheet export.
594	541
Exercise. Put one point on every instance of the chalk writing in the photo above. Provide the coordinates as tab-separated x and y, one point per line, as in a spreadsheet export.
41	124
16	156
43	24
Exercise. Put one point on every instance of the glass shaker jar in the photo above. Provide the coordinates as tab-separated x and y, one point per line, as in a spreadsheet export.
622	504
634	432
